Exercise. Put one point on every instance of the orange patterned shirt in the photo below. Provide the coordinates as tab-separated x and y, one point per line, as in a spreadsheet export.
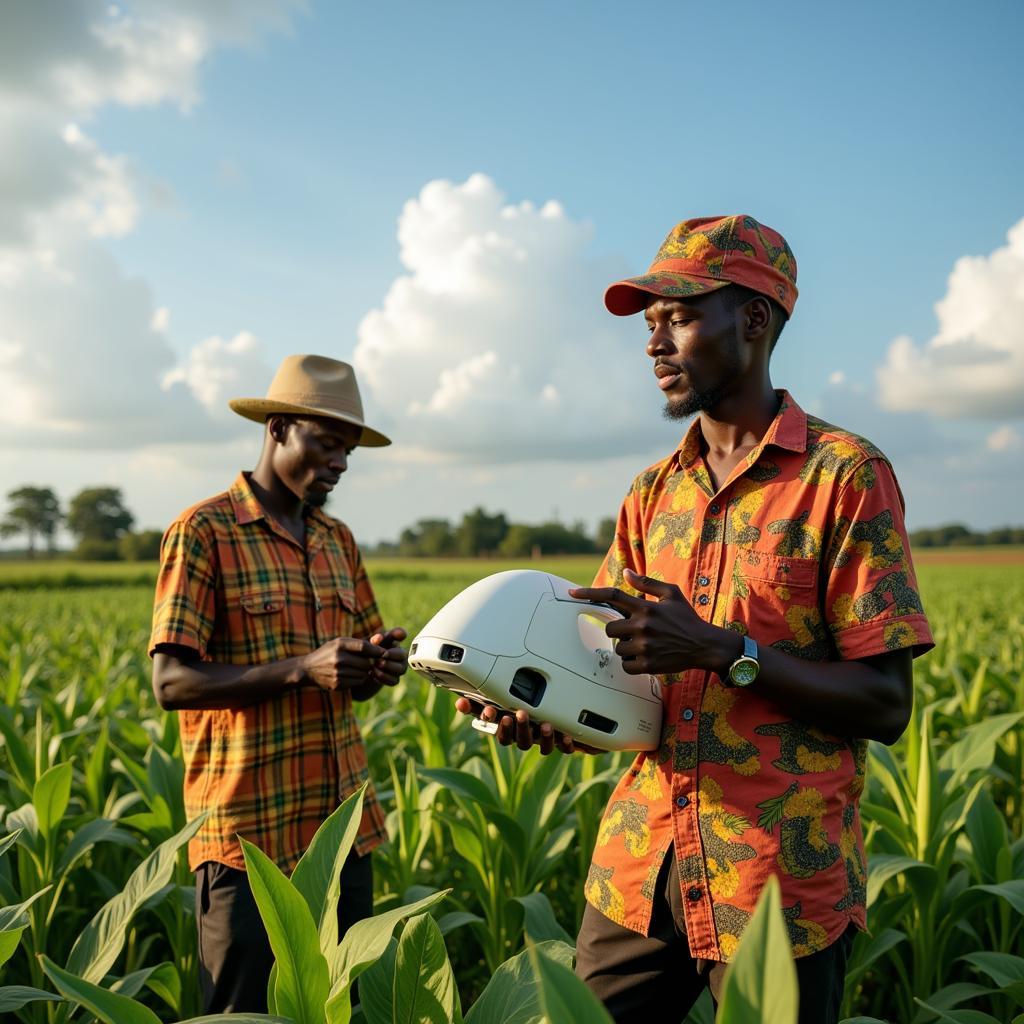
239	589
804	549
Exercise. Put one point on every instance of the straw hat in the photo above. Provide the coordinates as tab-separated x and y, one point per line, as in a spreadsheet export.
312	386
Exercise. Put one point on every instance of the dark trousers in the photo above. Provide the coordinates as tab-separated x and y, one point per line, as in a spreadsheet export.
637	977
234	952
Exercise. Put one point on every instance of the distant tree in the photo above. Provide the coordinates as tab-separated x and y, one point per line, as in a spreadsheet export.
98	514
429	538
605	534
480	533
143	546
35	512
517	542
547	539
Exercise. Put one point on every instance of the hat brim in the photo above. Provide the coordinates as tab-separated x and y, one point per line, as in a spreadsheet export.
258	409
624	298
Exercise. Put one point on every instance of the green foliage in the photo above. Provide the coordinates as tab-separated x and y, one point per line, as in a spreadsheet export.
34	512
98	513
143	546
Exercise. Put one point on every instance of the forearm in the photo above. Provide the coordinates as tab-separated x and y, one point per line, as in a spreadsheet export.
183	685
844	698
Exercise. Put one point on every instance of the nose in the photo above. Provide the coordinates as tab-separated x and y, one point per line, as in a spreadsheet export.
660	342
338	462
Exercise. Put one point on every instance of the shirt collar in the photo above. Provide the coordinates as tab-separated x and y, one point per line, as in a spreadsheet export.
247	509
788	430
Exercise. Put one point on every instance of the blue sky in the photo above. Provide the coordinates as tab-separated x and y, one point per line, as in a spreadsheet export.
268	175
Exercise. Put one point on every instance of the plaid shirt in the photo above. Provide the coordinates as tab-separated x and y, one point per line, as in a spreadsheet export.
804	549
239	589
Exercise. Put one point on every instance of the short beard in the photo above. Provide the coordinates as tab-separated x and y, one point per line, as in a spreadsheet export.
317	499
696	401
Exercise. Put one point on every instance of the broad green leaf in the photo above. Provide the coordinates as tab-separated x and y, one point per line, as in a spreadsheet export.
13	922
302	978
987	831
99	830
18	755
976	748
366	940
1003	968
108	1006
14	997
132	984
9	840
862	1020
464	784
1012	892
512	996
882	867
317	876
424	988
165	981
760	984
457	919
50	796
563	996
950	996
99	944
239	1018
874	947
376	987
959	1016
540	924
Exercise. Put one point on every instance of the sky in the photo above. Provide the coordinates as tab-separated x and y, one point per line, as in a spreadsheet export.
439	194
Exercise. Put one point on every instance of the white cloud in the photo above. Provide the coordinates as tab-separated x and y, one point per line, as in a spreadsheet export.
217	370
496	344
974	365
1005	439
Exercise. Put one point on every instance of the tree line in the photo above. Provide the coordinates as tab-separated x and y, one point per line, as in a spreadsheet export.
102	526
96	517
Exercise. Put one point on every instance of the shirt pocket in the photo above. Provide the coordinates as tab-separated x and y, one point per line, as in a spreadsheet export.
338	612
770	592
263	625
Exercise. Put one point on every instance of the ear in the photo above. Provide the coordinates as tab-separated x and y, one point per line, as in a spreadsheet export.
757	315
277	427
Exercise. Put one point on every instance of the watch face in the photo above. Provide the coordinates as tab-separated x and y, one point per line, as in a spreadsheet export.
744	672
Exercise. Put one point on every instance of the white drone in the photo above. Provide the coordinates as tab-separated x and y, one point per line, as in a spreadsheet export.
518	640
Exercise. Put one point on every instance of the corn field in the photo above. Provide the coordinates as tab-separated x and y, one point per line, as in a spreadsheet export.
480	887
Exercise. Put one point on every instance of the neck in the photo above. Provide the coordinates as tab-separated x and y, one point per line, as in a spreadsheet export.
741	419
277	499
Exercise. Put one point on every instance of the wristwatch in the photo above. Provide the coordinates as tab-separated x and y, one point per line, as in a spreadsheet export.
743	671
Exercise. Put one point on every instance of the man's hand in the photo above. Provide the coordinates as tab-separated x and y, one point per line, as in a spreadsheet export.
347	663
523	732
662	636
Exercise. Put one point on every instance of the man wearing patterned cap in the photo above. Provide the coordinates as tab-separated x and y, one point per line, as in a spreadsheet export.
764	573
265	630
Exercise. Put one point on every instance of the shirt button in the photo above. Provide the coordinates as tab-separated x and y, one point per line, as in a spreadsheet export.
715	508
703	581
687	714
267	606
703	599
693	893
682	801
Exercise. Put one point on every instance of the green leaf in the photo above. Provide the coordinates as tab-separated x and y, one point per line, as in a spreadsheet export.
424	987
882	867
14	997
874	947
959	1016
9	840
302	979
1003	968
108	1006
512	996
102	939
462	783
540	924
1012	892
366	940
50	796
239	1018
13	922
99	830
976	748
317	876
760	984
165	981
457	919
563	997
950	996
376	987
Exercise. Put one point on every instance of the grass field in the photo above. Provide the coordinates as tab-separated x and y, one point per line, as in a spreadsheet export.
90	775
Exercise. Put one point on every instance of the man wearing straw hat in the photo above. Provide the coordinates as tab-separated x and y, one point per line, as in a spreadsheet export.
265	631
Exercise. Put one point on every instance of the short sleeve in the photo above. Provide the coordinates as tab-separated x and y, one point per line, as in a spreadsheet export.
367	620
184	608
872	601
627	549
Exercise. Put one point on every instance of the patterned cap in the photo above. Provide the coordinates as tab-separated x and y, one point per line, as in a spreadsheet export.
708	253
